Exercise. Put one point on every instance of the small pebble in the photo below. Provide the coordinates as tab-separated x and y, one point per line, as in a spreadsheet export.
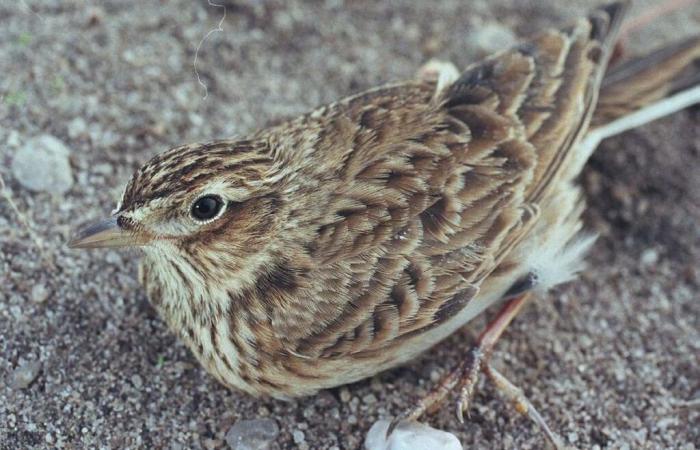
253	434
103	169
491	37
196	119
42	165
25	374
13	139
649	257
136	381
345	395
664	423
39	293
369	399
298	436
76	128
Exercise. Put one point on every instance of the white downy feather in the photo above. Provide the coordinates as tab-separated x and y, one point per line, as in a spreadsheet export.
554	263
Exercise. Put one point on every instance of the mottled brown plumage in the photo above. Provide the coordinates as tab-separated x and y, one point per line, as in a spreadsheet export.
357	236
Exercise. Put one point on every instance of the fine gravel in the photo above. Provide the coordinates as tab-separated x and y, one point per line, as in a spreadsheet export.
611	360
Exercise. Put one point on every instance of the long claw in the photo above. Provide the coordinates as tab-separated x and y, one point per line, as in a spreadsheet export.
522	404
392	427
463	406
460	413
406	416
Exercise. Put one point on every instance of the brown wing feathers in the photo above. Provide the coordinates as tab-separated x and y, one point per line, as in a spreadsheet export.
569	77
432	211
518	106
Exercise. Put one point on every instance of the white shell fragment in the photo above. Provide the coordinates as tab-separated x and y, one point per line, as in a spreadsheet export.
410	436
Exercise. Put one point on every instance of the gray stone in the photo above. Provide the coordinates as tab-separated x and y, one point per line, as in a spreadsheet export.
42	165
345	395
137	381
39	293
298	436
77	127
13	139
649	257
369	399
254	434
25	374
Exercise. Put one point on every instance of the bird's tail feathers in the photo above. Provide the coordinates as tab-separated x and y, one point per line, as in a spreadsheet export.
641	91
644	81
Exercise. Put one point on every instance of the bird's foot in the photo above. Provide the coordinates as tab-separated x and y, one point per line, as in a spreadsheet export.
464	377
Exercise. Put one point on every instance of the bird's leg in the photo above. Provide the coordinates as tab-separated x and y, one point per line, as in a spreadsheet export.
466	374
484	346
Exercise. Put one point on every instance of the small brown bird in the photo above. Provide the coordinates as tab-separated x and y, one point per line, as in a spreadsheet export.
349	240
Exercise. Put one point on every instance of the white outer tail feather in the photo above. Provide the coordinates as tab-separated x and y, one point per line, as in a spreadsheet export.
662	108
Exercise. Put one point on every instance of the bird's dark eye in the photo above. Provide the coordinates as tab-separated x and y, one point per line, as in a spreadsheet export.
207	207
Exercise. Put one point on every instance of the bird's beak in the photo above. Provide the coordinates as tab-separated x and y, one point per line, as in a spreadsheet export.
105	233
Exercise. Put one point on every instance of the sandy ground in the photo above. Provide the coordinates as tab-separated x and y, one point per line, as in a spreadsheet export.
612	360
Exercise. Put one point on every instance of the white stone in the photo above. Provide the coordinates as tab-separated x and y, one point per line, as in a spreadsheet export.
491	37
42	165
649	257
298	436
13	139
410	436
77	127
39	293
253	434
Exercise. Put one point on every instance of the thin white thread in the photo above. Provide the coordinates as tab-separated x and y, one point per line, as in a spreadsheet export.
24	3
23	220
196	53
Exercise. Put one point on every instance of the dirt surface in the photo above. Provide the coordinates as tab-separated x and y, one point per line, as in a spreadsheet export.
611	360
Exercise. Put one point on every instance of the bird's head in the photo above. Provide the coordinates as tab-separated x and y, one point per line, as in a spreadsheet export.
195	201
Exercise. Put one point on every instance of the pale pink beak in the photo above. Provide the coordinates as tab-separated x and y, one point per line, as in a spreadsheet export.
104	234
